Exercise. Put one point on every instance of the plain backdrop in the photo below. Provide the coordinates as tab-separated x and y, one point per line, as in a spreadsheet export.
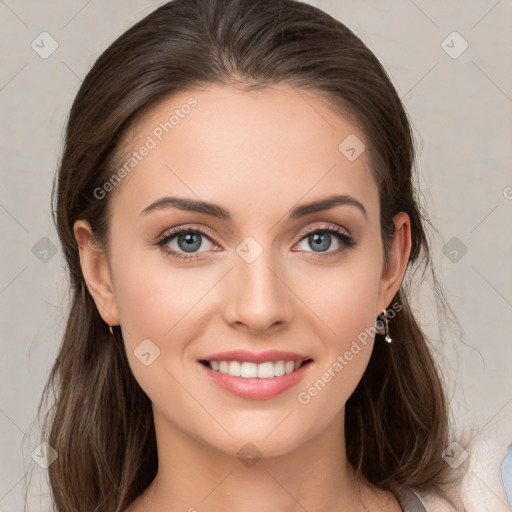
450	63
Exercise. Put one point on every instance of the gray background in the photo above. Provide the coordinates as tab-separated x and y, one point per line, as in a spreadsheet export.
460	106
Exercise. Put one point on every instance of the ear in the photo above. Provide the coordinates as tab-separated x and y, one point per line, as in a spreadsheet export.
398	256
95	269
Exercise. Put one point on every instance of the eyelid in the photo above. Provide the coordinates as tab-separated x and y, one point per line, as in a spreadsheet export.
324	227
208	233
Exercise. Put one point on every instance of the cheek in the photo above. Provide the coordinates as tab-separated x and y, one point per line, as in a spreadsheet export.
153	295
161	308
344	300
348	344
354	309
344	297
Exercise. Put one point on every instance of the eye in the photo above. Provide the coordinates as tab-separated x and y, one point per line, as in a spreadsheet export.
184	243
320	239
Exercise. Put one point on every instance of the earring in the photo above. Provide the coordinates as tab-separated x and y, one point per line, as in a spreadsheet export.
382	327
111	330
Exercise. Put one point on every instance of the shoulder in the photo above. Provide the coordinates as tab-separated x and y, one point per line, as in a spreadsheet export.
479	489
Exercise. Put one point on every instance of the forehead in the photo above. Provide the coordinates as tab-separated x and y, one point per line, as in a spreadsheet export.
265	149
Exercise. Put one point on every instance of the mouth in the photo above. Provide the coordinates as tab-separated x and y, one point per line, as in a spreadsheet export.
255	376
251	370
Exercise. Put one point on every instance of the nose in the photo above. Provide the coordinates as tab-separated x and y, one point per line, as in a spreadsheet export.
257	297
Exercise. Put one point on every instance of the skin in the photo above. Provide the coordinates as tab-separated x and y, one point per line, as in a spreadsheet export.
258	154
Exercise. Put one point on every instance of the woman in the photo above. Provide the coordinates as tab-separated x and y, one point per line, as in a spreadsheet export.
236	206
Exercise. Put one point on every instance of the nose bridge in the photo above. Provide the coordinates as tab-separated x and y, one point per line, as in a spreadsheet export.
259	297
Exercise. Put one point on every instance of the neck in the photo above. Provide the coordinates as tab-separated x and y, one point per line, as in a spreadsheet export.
316	475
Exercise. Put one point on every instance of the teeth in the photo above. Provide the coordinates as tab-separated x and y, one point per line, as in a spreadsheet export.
233	368
248	370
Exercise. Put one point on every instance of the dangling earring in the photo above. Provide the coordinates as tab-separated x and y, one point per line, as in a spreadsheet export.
382	327
111	330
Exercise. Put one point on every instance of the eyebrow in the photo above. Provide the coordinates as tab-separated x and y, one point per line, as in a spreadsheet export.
219	212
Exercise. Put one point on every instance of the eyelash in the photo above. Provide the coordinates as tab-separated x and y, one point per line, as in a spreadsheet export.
345	240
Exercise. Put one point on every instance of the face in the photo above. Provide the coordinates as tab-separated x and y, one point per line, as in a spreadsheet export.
258	272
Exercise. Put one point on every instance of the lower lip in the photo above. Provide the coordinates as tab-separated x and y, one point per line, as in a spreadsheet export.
253	388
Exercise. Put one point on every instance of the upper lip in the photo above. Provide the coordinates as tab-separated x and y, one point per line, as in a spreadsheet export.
253	357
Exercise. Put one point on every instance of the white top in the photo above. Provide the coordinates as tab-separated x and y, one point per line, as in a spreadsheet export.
481	489
410	502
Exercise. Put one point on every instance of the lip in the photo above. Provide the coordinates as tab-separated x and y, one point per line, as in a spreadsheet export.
253	357
254	388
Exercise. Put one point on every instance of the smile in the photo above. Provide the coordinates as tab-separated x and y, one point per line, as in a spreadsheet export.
255	380
248	370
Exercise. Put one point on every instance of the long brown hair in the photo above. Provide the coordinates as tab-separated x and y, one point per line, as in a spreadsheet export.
101	422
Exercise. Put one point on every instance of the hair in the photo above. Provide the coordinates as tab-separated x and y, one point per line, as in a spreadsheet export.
101	421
